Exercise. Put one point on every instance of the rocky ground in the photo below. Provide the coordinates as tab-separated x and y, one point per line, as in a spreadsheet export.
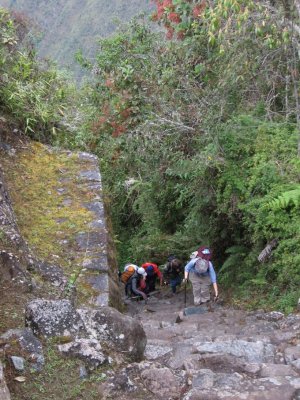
223	354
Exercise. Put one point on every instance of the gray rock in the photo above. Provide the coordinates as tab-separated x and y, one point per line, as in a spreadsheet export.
53	318
270	370
87	350
4	392
220	362
291	322
97	208
291	354
122	382
50	272
119	332
181	353
162	382
29	344
296	364
272	316
253	352
83	373
228	381
204	379
99	282
18	363
87	157
96	263
153	352
11	270
92	175
91	241
102	300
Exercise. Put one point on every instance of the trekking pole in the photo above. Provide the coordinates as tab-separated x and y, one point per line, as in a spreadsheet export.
185	284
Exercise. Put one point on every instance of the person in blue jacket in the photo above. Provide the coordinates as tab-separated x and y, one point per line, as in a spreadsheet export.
201	282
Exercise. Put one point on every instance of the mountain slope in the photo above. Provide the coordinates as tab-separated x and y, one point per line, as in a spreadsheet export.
70	25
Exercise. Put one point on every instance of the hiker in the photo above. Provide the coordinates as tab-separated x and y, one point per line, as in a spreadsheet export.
134	283
201	273
152	274
174	272
129	269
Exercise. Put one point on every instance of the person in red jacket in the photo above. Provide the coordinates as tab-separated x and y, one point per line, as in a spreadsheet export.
152	274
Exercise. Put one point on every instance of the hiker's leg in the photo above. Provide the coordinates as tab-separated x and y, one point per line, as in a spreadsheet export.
173	285
204	289
196	288
177	282
152	280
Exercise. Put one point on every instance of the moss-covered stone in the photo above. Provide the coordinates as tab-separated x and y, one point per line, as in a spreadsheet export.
57	199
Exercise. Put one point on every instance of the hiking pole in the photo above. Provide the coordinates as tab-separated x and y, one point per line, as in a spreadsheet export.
185	284
185	294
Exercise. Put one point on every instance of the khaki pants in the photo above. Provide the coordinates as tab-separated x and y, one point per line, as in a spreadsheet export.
201	285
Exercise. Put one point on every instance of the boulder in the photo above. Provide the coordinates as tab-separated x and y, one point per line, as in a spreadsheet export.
220	362
53	318
162	382
87	350
118	332
272	316
252	352
153	352
269	370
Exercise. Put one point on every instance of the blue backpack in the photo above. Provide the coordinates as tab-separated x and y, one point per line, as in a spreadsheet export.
150	271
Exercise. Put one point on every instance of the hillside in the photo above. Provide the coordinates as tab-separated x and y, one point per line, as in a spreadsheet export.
67	26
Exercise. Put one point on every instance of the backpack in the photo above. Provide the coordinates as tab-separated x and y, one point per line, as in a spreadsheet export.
150	271
201	266
127	274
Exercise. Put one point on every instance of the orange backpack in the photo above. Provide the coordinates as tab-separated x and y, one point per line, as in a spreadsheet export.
127	274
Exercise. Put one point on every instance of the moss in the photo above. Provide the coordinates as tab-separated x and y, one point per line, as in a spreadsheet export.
40	182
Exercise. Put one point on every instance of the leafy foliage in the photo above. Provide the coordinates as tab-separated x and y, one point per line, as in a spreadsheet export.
34	95
285	199
197	136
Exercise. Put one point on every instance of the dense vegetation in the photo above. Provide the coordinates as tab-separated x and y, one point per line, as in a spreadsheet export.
198	139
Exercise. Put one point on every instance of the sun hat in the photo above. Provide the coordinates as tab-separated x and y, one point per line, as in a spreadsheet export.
204	252
142	271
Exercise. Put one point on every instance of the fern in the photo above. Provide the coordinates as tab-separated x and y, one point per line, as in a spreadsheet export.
291	197
233	261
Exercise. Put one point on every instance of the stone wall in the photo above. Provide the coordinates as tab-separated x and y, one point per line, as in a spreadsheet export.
96	242
65	224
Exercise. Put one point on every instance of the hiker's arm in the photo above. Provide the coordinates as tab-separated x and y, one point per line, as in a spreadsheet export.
213	278
215	286
212	274
187	268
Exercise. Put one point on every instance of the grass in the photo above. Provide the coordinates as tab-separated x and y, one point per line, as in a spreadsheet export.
59	380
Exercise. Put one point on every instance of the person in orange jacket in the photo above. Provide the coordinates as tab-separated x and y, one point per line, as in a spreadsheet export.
152	274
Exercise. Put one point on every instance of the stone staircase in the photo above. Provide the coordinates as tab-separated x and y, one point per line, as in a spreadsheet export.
225	354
